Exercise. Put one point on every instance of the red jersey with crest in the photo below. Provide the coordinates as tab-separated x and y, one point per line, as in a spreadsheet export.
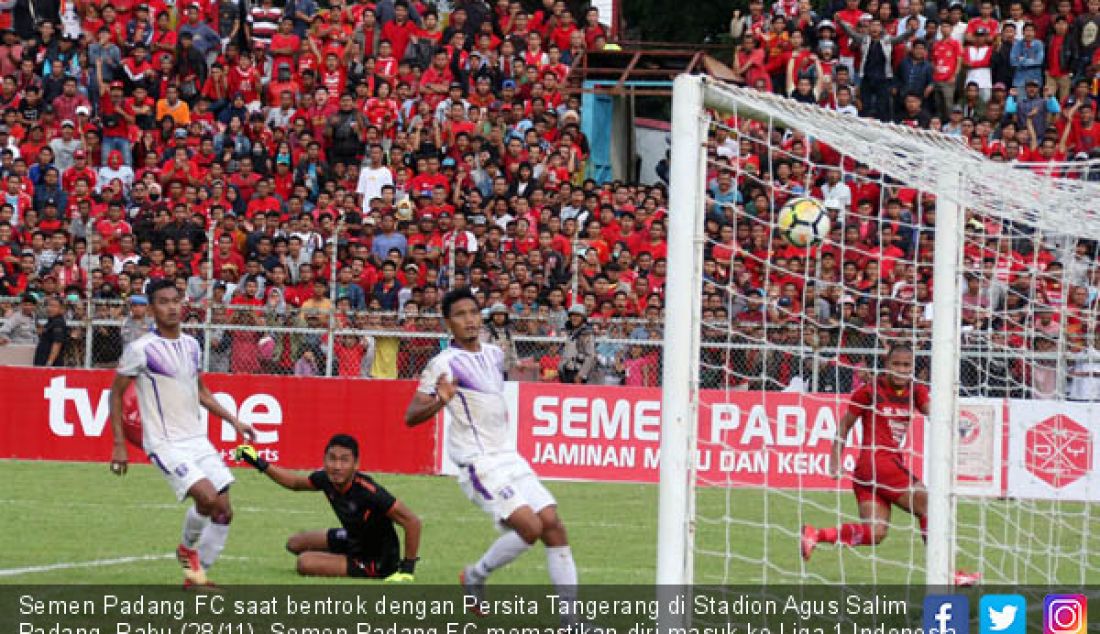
885	416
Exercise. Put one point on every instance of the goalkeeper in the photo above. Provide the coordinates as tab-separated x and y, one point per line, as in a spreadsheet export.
367	545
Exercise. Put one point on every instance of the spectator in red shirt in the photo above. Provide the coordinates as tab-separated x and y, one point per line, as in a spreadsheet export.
112	228
399	31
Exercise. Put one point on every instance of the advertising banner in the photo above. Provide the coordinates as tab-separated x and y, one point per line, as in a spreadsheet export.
1025	449
981	447
1052	450
53	414
776	439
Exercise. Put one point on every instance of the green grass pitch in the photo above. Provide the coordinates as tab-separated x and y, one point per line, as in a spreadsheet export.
73	522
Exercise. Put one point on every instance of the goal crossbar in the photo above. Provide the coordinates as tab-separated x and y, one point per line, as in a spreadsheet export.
926	160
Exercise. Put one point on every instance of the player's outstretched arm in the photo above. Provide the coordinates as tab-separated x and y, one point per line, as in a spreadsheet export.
119	457
284	477
410	524
214	407
424	406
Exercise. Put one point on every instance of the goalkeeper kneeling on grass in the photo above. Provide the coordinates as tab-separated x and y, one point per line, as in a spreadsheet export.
366	545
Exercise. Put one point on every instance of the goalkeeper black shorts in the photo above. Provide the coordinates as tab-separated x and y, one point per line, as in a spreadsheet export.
360	564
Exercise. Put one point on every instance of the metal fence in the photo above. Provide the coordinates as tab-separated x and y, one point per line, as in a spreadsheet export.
263	340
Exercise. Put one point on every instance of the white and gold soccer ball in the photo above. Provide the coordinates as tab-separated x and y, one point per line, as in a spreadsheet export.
804	221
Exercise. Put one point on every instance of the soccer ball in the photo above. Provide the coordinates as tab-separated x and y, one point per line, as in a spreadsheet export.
804	221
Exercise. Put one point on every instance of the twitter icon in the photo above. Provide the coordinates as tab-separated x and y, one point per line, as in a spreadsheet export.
1003	614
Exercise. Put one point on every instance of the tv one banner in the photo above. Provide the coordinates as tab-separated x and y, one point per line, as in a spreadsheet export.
54	414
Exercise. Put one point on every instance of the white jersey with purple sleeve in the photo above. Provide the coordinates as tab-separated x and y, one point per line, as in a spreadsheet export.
479	411
166	372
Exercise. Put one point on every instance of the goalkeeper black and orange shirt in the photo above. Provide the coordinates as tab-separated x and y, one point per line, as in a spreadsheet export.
362	509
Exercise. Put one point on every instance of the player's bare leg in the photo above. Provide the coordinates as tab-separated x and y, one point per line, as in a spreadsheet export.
916	502
526	529
874	523
314	563
205	531
307	541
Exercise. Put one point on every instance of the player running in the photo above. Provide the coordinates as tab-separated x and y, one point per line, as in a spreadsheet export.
164	366
885	408
367	545
467	378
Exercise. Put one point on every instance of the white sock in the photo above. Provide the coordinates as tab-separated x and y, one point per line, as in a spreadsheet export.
212	542
193	523
503	551
563	572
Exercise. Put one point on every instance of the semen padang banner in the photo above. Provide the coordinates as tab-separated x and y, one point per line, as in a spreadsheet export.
775	439
1016	448
612	434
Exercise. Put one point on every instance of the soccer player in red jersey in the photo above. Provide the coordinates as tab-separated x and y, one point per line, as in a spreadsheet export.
880	481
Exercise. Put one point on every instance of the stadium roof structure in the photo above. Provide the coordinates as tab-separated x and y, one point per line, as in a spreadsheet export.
638	68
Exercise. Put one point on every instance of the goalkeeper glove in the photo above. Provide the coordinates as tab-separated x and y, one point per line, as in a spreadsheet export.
405	571
248	453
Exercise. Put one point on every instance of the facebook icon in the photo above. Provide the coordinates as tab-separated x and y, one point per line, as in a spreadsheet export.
946	614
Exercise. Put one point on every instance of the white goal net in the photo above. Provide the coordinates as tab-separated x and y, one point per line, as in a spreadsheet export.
949	313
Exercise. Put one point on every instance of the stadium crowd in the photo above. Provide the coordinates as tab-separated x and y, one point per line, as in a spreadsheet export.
1015	81
314	175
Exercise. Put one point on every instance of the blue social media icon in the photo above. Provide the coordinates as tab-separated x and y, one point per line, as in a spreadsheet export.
946	614
1003	614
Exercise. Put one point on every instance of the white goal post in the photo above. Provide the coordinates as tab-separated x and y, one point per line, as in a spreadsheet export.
927	161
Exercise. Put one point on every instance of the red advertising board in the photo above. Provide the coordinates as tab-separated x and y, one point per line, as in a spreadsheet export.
54	414
773	439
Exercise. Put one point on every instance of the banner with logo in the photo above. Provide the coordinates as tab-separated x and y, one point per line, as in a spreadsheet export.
775	439
1052	450
53	414
981	447
1027	449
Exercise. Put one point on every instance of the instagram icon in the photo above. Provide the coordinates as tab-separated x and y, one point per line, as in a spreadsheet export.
1065	614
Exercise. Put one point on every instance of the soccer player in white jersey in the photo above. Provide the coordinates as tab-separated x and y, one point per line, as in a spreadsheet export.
164	364
467	378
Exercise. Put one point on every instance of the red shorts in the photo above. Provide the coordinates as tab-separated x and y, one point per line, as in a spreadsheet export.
883	478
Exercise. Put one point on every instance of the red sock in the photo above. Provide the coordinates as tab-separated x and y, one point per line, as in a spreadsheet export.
924	528
848	534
